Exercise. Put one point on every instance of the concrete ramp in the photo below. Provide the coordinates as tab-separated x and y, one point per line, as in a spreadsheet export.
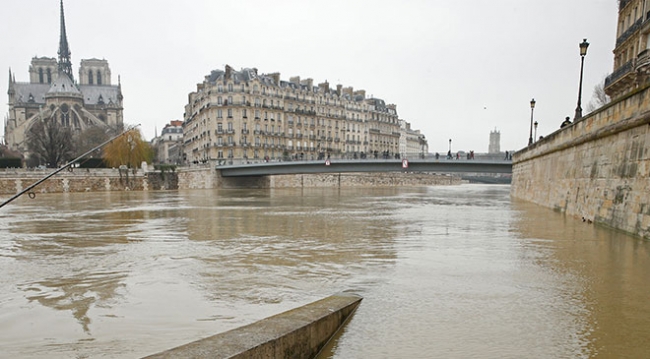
298	333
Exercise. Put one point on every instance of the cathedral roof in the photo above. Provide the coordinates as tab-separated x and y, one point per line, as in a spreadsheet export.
63	85
91	93
24	90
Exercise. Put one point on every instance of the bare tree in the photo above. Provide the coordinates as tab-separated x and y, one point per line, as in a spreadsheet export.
92	137
599	98
50	143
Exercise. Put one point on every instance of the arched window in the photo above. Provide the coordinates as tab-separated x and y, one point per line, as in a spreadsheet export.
99	77
40	75
49	76
90	77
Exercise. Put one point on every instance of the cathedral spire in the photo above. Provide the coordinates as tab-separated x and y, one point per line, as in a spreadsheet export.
11	91
65	64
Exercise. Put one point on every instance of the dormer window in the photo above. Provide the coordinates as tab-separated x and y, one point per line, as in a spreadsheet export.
100	100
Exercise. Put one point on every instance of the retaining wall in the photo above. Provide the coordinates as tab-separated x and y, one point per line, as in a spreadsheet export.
298	333
596	169
389	179
13	181
204	177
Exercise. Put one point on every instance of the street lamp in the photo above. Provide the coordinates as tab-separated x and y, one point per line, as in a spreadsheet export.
450	146
583	52
532	107
535	131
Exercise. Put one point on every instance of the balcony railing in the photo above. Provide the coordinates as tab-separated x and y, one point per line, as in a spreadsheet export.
631	30
619	72
622	4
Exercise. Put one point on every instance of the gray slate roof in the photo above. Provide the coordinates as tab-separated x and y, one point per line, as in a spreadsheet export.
91	93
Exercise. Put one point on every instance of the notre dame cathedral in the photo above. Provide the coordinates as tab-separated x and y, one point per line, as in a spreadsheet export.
53	94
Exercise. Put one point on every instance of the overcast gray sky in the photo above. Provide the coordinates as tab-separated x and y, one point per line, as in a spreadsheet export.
455	69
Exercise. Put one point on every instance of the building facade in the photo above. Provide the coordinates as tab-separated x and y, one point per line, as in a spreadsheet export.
632	49
247	115
53	94
169	145
412	143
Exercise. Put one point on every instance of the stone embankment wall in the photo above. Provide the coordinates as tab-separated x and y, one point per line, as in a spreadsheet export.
298	333
596	169
208	177
204	177
13	181
389	179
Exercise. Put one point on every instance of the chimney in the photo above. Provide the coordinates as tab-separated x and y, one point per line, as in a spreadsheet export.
325	86
339	87
276	77
295	80
309	83
228	72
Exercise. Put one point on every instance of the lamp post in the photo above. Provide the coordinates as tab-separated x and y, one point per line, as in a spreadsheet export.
535	130
450	146
532	107
583	52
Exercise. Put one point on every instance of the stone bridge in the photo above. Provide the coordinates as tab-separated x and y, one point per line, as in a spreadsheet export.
244	169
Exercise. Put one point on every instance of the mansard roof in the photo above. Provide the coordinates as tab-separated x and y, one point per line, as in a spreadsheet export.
248	74
237	77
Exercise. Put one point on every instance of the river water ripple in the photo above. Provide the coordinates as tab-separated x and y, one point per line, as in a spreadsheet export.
445	272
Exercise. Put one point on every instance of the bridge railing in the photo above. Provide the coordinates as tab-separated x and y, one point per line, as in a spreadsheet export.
248	161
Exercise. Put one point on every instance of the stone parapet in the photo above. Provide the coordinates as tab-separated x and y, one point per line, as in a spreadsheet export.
298	333
596	169
84	180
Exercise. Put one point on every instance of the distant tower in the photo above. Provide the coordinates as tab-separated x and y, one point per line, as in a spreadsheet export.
495	142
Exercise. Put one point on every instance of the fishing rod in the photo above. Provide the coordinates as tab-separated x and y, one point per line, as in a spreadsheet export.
67	165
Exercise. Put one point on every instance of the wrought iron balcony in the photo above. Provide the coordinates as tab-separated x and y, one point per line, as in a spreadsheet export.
622	4
620	72
631	30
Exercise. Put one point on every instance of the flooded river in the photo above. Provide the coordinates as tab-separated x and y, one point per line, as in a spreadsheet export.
445	272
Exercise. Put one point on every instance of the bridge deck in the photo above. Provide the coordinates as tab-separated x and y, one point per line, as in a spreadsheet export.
341	166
